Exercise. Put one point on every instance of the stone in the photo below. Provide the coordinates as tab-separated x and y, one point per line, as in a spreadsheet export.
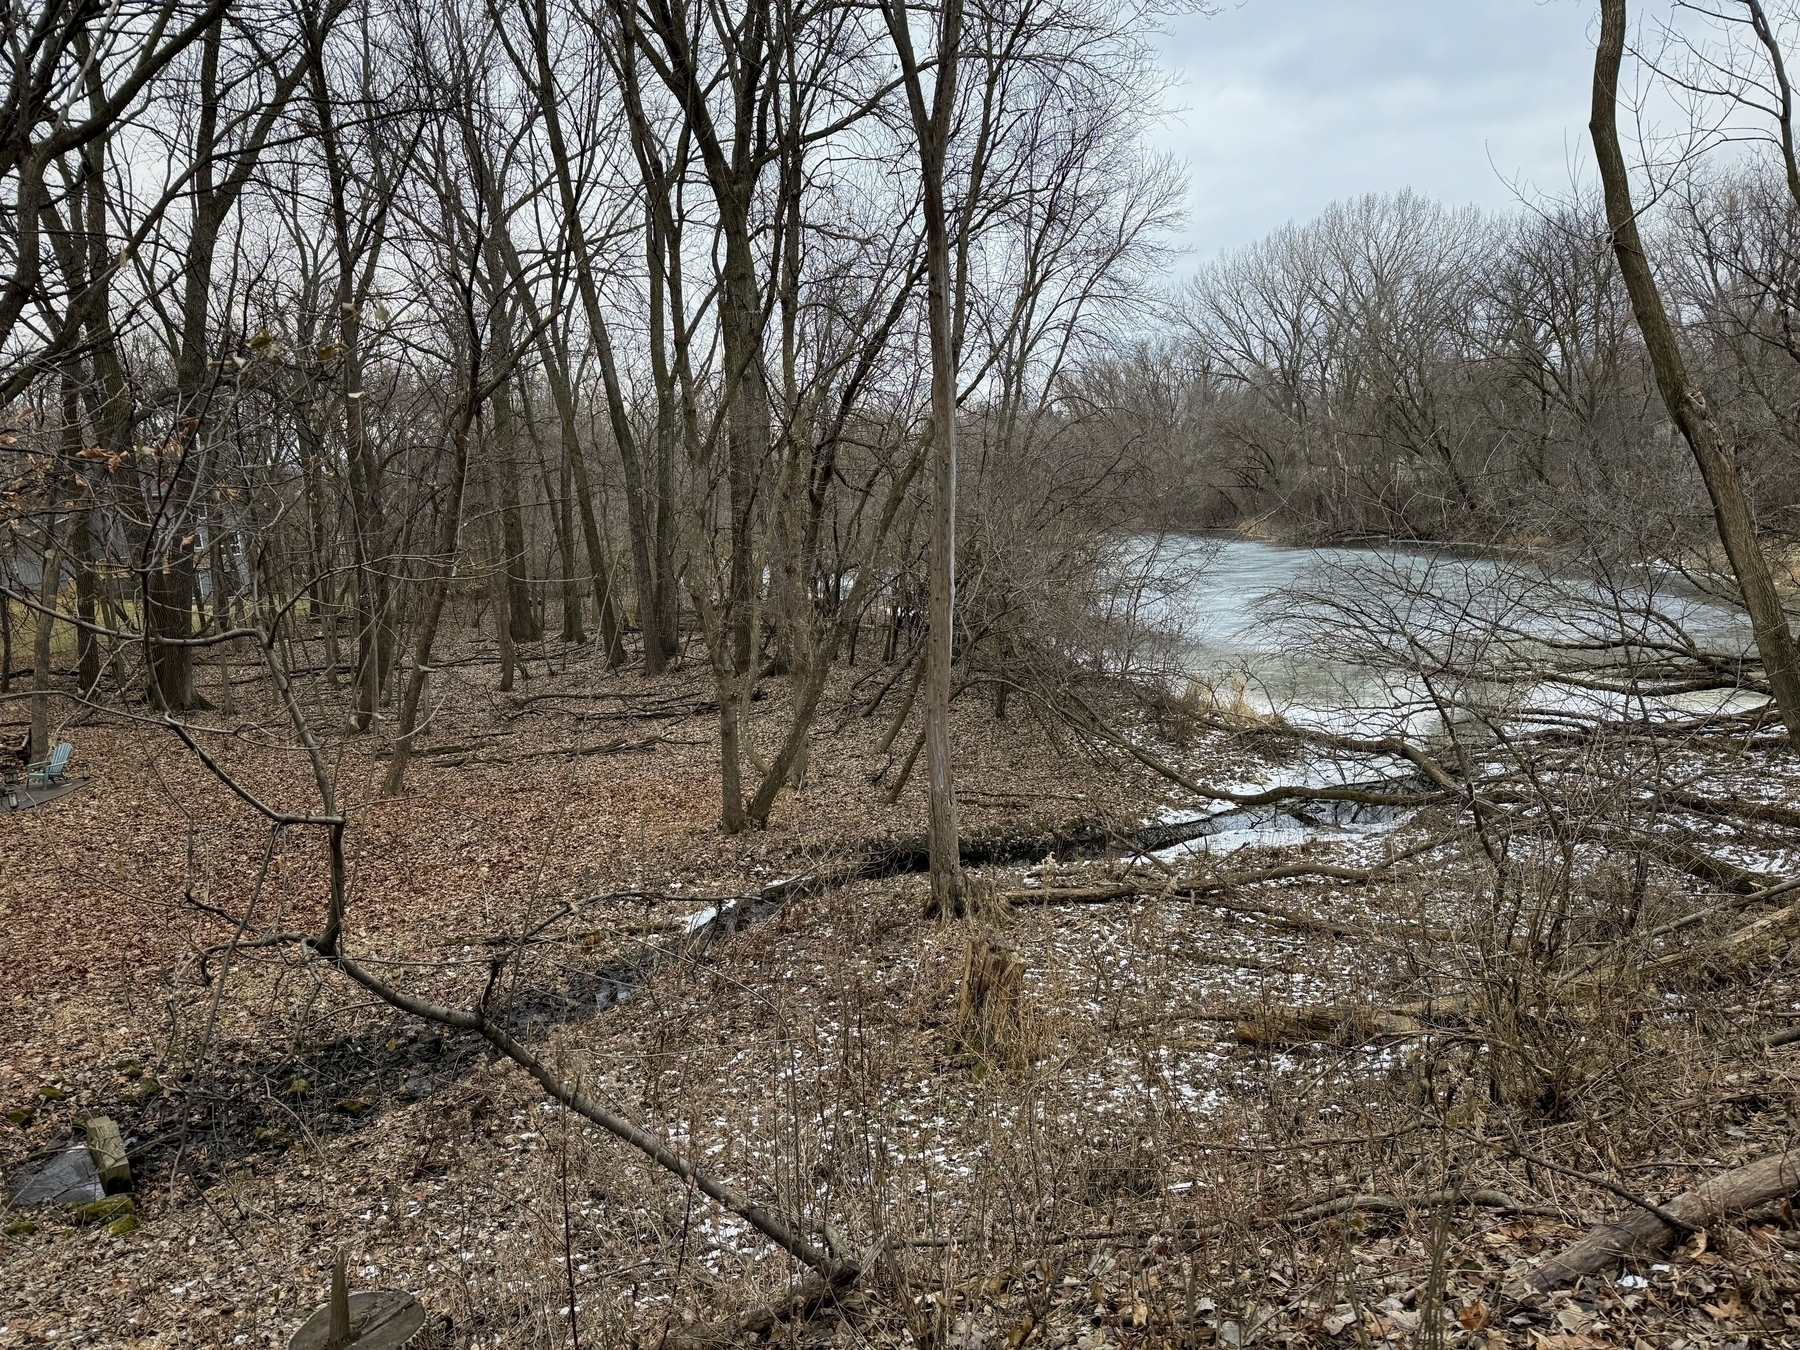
69	1178
21	1228
107	1146
51	1093
122	1226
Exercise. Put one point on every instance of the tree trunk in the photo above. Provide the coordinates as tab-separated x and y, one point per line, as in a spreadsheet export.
933	130
521	618
168	595
575	464
221	603
87	642
5	644
636	508
41	683
496	577
1713	451
443	566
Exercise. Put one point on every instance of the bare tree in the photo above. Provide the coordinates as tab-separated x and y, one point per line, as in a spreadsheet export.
1688	408
932	127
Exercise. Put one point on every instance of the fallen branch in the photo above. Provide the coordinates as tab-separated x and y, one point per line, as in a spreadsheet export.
1210	893
1395	1204
1324	1209
833	1272
1642	1232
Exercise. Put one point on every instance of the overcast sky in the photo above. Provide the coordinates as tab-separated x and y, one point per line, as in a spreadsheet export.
1282	106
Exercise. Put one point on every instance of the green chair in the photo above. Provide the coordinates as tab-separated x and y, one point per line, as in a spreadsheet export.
49	772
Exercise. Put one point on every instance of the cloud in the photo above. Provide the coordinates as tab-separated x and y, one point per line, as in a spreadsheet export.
1283	106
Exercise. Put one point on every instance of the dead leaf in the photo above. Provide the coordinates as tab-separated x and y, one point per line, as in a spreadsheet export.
1474	1315
1732	1305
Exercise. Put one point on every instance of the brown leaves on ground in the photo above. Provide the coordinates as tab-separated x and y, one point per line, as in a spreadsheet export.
1123	1187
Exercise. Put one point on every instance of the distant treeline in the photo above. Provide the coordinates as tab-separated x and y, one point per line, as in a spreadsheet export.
1404	369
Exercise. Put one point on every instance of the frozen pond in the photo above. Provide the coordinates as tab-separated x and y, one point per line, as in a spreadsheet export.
1384	639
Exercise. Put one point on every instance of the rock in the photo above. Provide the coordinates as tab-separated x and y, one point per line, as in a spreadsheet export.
21	1228
107	1146
351	1106
123	1225
51	1094
21	1116
70	1178
107	1210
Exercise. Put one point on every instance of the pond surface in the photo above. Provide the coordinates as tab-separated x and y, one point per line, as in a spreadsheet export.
1346	636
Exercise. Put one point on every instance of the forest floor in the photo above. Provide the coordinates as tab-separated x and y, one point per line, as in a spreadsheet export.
1129	1168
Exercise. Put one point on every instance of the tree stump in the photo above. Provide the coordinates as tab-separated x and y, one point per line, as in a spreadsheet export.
383	1319
990	1011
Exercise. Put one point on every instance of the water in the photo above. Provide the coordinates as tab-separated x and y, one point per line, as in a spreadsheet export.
1376	641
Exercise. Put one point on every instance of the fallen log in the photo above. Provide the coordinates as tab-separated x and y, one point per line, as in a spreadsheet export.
1641	1232
624	746
1720	872
1732	806
1399	1204
1337	1025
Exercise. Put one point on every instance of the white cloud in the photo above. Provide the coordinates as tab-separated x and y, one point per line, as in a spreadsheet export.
1283	106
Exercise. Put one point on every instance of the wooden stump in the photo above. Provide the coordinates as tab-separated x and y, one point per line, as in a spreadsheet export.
377	1320
990	1011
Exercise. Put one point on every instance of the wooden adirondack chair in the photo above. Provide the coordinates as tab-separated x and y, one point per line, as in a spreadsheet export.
49	772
